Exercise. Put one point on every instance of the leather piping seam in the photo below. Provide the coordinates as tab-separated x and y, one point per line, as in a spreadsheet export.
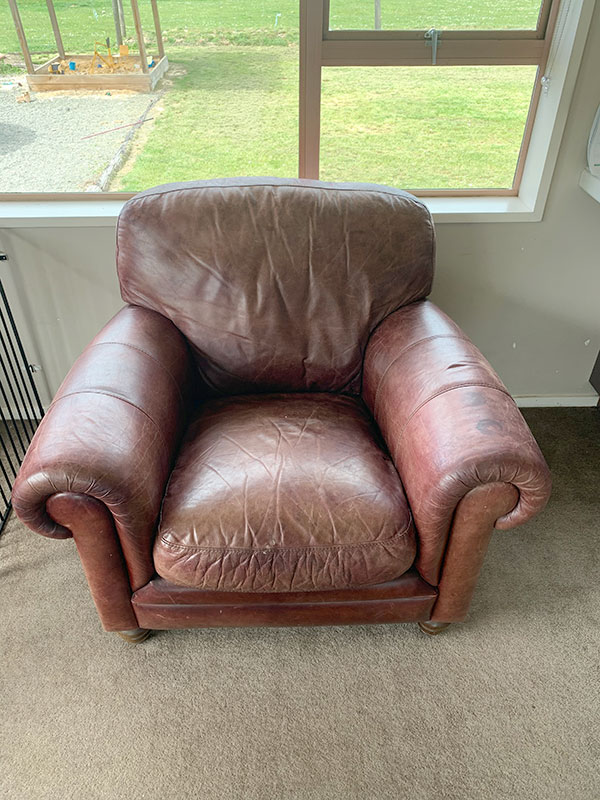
145	352
151	604
449	530
116	397
265	550
404	196
451	389
406	349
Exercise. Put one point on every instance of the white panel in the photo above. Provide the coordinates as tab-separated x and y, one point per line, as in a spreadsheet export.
62	286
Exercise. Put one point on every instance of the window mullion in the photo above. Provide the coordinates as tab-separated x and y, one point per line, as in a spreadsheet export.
416	52
322	47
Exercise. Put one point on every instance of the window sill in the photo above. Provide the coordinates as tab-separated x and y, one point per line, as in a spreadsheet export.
59	213
104	213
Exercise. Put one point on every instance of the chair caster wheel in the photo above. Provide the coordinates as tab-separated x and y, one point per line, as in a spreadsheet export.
433	628
135	636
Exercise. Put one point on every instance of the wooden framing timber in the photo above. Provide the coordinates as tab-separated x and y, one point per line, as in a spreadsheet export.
140	35
310	89
43	81
158	29
39	79
410	53
21	34
55	28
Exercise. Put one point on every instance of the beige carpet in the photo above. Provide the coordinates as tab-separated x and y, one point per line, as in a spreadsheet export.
504	706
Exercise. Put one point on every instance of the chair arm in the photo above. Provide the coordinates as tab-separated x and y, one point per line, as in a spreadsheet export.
449	423
112	431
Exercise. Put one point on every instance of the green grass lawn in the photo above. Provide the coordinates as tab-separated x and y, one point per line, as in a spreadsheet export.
422	128
184	22
9	69
251	22
234	112
232	94
441	14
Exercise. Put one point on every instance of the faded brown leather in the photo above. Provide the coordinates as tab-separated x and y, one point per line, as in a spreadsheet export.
162	605
471	531
449	423
275	283
282	326
112	432
286	492
99	548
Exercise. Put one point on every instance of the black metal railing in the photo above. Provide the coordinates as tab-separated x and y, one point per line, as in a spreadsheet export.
20	407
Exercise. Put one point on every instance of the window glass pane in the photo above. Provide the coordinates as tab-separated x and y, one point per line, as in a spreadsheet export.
424	127
228	104
441	14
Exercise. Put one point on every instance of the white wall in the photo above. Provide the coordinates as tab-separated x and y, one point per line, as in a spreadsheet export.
536	285
528	294
62	286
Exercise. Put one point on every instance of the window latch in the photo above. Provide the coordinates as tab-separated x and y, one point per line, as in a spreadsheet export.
431	37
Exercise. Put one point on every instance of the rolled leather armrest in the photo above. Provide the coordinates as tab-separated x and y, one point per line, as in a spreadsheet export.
113	429
449	423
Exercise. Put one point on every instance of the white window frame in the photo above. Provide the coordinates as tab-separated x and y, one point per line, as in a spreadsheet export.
556	45
563	62
322	47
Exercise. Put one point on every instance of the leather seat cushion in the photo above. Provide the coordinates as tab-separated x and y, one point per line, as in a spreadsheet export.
284	492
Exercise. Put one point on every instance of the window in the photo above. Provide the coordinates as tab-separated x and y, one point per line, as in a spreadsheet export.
415	15
345	90
432	96
450	128
227	104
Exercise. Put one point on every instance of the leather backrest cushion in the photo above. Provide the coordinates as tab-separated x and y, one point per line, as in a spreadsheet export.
276	283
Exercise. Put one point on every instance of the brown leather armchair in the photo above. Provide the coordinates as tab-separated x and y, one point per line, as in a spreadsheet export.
279	428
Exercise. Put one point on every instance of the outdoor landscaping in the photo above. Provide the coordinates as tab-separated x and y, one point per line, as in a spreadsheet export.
229	103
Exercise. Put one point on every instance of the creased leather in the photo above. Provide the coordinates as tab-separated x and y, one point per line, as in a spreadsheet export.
449	423
276	493
275	286
112	432
93	529
276	283
472	527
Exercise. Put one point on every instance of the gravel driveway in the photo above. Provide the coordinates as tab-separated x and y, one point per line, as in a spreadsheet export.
41	147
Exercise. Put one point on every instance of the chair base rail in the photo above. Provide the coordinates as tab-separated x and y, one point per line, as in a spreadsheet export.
161	605
140	635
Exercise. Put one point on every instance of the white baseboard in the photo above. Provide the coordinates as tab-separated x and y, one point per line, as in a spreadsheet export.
562	400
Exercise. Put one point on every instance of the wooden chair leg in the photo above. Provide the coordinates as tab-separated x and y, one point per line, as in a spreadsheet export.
135	636
433	628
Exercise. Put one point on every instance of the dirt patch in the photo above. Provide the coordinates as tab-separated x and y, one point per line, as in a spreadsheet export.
131	150
99	66
43	144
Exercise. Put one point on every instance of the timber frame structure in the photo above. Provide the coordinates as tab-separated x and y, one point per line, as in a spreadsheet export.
40	79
